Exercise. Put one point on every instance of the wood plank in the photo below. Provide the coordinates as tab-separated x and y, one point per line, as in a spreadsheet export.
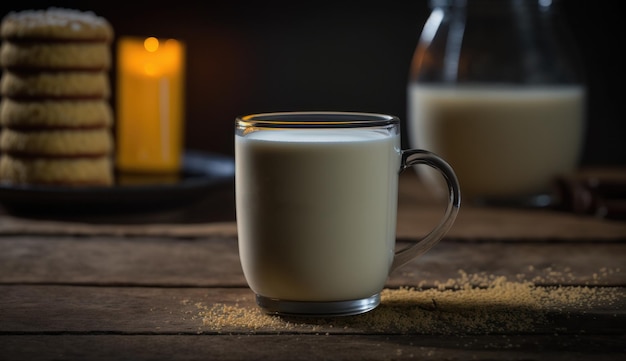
289	347
543	263
147	310
214	262
415	219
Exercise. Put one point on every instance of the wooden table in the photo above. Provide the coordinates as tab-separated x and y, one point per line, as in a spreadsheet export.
505	284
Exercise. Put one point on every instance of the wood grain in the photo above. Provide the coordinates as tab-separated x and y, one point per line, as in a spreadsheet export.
214	262
291	347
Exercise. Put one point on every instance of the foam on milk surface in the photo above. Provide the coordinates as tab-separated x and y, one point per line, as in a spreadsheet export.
315	135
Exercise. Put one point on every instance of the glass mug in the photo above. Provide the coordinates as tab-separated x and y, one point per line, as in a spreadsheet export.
316	205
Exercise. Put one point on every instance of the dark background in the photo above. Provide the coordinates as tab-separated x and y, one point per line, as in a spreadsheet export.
249	57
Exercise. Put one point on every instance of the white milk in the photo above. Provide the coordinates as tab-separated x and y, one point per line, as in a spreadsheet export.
316	212
502	142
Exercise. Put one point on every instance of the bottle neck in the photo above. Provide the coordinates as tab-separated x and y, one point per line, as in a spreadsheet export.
506	41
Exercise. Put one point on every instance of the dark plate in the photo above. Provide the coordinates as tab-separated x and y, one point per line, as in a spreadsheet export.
201	173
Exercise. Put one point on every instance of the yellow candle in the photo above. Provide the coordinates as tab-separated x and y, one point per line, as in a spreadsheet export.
150	104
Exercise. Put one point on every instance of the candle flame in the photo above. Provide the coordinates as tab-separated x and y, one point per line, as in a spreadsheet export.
151	44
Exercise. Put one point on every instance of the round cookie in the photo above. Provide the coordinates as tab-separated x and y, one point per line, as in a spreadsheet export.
52	171
57	143
55	85
57	56
55	114
56	23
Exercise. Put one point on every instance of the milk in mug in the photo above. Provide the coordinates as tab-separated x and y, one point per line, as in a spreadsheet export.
319	209
501	141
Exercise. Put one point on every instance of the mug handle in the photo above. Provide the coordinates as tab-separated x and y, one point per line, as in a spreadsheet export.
411	157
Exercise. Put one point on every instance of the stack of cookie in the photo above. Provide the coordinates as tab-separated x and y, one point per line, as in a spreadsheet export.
55	113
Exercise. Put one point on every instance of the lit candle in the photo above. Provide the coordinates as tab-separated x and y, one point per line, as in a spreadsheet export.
150	104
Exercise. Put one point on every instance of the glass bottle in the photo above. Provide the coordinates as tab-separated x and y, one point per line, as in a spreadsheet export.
496	89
